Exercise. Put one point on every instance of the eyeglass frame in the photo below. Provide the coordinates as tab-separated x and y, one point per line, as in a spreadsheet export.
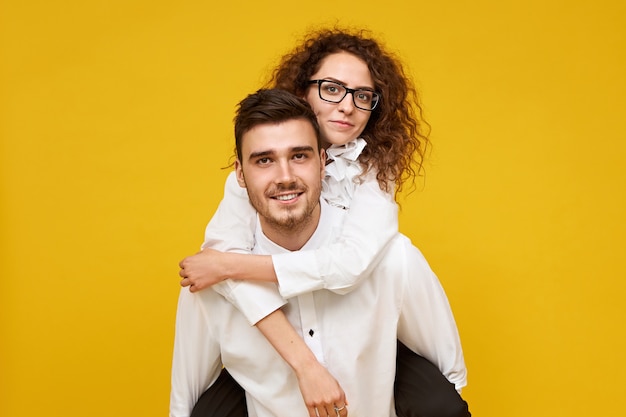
348	91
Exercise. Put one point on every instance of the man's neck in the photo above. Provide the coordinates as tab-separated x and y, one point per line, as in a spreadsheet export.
292	238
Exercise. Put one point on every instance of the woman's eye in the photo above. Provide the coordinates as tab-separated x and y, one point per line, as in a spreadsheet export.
364	97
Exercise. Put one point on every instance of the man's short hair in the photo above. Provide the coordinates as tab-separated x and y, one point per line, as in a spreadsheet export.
271	106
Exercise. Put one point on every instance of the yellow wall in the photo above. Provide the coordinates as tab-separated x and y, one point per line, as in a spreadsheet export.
116	116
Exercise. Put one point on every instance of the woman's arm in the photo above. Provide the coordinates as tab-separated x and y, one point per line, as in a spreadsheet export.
426	324
370	224
232	229
318	387
232	226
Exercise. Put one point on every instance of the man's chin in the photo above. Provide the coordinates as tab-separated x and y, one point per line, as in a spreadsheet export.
286	222
289	219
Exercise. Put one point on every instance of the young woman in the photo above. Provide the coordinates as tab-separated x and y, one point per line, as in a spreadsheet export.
369	117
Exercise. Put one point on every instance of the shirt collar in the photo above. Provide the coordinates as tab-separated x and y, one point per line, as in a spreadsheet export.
328	219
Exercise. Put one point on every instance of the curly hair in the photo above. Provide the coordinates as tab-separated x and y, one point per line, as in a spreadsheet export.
396	133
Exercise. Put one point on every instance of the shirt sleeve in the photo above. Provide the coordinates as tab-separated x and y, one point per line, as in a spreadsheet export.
426	323
232	230
371	222
197	362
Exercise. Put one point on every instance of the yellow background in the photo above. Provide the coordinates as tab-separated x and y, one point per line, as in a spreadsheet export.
115	120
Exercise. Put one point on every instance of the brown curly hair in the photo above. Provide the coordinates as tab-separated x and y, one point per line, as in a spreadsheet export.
396	133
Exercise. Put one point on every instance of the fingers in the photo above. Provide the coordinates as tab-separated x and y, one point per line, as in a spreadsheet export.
321	411
187	275
185	281
182	264
329	411
341	411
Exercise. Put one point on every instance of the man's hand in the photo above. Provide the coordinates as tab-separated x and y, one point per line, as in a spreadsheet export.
322	394
201	270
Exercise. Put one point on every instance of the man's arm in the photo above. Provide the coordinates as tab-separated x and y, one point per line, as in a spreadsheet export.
196	363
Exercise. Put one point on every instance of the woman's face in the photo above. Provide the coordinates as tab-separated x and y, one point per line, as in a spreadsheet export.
340	122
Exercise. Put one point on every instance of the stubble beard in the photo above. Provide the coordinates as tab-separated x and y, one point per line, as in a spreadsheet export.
288	220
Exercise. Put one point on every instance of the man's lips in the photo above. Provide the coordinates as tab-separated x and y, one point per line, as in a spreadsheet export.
287	197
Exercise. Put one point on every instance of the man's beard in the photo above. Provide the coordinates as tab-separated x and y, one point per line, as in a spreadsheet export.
290	220
287	219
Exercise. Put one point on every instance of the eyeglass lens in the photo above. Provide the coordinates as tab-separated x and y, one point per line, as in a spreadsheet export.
333	92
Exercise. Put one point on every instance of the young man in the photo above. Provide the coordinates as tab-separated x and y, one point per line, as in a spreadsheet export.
353	336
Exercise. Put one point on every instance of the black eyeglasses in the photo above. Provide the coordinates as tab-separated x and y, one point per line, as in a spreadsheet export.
334	92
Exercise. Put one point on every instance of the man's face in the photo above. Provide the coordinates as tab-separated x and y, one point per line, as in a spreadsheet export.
282	169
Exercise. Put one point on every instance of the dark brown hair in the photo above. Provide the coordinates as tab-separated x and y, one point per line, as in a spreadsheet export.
396	134
271	106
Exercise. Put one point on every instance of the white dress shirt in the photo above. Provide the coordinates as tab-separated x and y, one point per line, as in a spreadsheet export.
353	334
372	222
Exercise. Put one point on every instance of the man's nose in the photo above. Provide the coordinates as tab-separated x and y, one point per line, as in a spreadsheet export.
285	173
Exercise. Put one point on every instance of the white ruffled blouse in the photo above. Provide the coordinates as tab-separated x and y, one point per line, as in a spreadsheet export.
341	173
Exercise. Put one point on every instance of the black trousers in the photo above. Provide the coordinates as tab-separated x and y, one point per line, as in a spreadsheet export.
420	390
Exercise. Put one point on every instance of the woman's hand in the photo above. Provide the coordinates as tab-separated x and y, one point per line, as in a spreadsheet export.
322	394
209	266
201	270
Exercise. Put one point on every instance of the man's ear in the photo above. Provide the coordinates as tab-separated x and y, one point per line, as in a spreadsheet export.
323	163
239	172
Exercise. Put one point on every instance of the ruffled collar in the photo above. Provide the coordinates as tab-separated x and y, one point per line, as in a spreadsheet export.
344	167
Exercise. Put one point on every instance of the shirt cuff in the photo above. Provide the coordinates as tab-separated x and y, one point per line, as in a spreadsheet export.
292	281
255	300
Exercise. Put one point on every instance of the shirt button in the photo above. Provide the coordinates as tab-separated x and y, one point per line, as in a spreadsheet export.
311	332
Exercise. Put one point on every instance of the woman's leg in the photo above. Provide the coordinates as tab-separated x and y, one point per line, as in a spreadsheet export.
421	390
225	398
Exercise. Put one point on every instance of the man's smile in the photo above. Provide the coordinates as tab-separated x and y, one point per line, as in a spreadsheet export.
286	197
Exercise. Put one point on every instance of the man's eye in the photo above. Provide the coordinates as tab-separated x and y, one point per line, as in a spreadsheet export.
263	161
299	156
